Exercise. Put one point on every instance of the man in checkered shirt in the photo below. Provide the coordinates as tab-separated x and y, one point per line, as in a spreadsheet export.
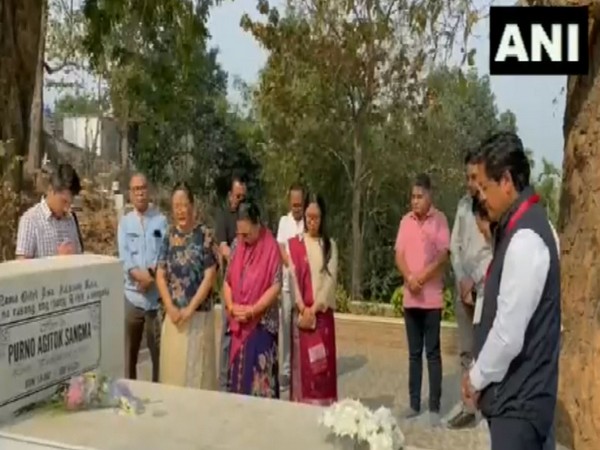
49	228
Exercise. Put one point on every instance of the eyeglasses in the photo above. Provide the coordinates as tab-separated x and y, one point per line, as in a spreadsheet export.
138	188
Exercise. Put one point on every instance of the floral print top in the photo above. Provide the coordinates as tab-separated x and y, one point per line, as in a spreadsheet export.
270	318
184	257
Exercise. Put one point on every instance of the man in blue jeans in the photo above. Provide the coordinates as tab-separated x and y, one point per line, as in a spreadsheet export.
225	232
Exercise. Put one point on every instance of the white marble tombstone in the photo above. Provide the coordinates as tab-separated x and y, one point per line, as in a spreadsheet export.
178	419
59	317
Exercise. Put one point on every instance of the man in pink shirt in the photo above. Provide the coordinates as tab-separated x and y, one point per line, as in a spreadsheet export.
421	255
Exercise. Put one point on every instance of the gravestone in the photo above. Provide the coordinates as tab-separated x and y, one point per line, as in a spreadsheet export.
180	419
59	317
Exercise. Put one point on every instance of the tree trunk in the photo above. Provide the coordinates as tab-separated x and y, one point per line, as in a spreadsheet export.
124	145
579	390
20	26
36	135
357	241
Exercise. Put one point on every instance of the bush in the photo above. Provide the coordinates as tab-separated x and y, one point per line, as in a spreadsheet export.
342	299
98	222
447	312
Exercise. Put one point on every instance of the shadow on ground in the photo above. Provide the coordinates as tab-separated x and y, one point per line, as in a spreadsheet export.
450	392
376	402
348	364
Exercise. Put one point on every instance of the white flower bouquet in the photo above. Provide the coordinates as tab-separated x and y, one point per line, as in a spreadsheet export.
351	421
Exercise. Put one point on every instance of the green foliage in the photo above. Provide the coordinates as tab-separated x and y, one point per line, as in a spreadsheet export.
342	300
448	313
168	91
76	105
307	135
355	100
339	101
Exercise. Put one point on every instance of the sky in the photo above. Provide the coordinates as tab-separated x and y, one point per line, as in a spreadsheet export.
537	101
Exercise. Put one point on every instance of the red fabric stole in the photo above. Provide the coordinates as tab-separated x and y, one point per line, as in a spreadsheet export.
251	273
316	348
522	209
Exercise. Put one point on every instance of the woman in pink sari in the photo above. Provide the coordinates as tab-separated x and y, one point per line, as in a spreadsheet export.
250	291
314	260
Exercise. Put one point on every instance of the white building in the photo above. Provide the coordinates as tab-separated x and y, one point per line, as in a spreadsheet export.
92	133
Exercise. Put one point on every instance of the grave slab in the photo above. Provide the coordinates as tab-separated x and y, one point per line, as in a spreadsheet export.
182	419
59	316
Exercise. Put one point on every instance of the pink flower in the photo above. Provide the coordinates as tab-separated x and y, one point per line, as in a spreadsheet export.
75	393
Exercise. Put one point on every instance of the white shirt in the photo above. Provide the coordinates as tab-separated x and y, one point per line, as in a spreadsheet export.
470	253
524	275
288	228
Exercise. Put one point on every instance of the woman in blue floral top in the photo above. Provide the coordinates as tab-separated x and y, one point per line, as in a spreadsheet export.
186	274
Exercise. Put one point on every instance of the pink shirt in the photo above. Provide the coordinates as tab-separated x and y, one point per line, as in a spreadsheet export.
421	242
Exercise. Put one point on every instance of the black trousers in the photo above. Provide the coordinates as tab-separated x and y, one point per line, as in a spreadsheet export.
138	321
516	434
423	331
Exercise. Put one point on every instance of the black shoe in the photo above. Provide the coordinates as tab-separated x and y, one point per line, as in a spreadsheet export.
463	419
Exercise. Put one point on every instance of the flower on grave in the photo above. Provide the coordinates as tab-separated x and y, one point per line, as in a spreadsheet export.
95	390
351	419
75	394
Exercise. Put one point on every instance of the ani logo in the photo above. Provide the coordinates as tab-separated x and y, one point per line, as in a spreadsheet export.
539	40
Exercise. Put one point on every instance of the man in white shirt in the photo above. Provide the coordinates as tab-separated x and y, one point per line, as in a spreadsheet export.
470	254
290	225
514	379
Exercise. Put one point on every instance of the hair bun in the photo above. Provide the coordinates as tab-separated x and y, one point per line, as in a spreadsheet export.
248	210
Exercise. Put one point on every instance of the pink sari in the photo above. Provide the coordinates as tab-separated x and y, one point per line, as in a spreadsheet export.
251	273
313	353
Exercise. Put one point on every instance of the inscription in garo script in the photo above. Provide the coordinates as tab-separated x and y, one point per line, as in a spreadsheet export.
33	302
48	334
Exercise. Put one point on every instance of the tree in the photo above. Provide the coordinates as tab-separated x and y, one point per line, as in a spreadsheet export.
20	34
166	89
36	120
579	390
140	48
345	66
73	105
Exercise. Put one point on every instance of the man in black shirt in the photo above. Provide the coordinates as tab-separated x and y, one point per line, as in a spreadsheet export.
225	231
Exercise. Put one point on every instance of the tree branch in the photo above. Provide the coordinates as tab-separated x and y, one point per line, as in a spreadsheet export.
344	164
50	70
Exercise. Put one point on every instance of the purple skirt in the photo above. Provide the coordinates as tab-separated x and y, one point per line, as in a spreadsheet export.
255	369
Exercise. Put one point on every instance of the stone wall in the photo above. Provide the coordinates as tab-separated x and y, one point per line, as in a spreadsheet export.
383	332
